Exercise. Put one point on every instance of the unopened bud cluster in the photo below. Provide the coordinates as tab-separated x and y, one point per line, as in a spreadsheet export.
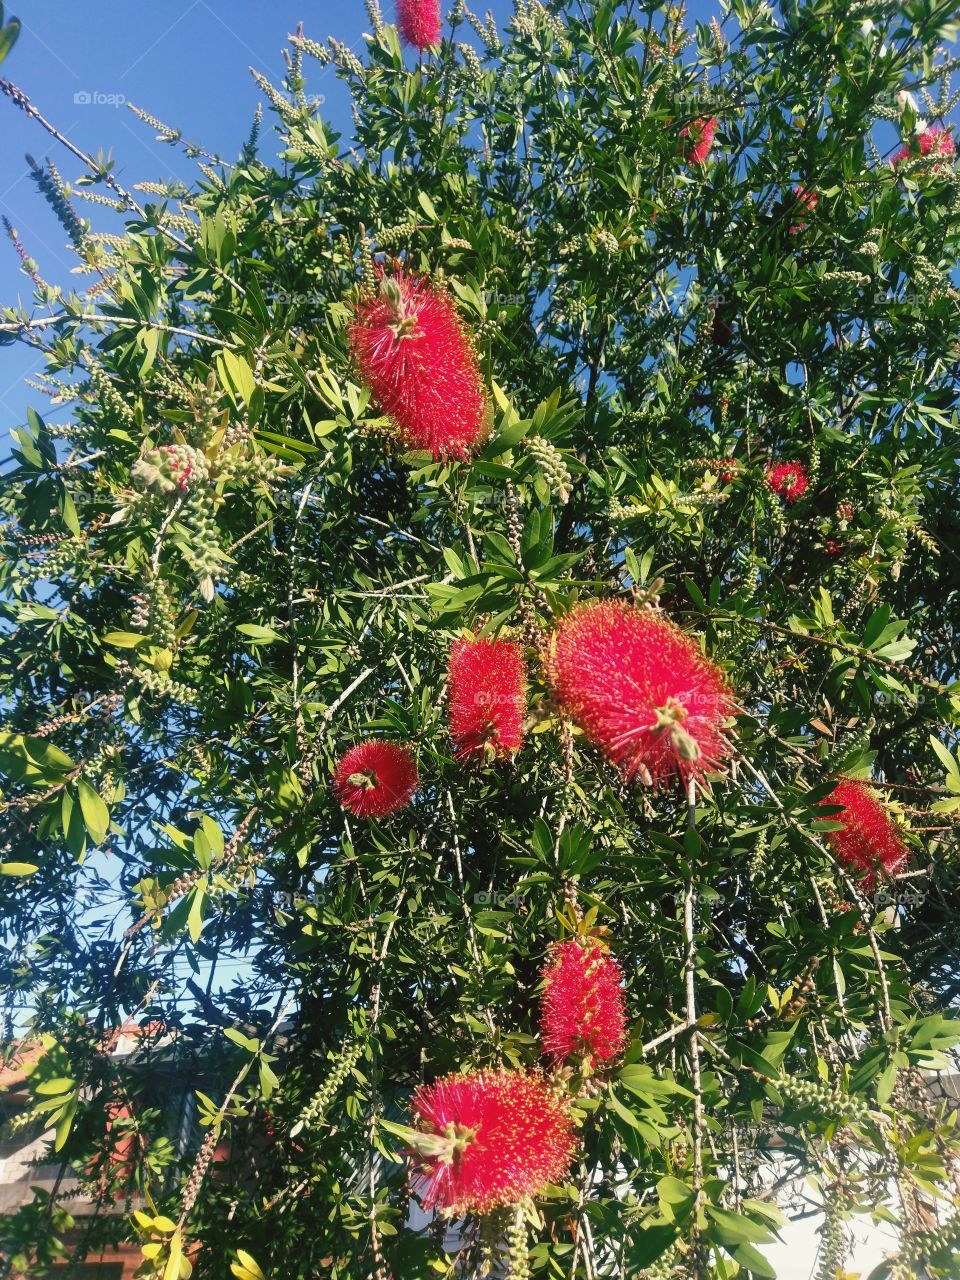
154	613
472	66
389	237
618	510
831	1103
245	464
833	1241
52	564
665	1267
315	1109
552	467
758	856
202	552
170	469
518	1249
919	1246
161	686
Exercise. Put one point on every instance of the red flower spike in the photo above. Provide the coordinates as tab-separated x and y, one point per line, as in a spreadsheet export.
868	840
808	201
701	134
419	22
375	779
935	141
582	1006
788	480
415	355
488	698
491	1138
641	690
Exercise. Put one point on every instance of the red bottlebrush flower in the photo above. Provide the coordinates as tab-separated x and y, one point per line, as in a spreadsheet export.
487	697
833	547
701	134
415	355
934	141
497	1137
582	1006
869	840
375	778
419	22
938	142
788	480
808	201
728	470
641	690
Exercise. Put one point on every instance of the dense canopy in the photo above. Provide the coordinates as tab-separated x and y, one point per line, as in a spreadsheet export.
600	307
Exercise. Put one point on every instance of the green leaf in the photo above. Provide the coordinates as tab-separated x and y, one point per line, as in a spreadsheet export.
245	1042
96	815
18	868
32	760
886	1083
258	634
195	917
124	639
8	37
734	1228
68	509
65	1124
944	756
245	1268
426	204
753	1260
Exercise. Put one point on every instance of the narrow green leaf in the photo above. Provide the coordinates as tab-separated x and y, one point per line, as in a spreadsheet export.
96	815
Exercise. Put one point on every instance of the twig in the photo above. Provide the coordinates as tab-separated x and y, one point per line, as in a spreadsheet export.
690	965
120	322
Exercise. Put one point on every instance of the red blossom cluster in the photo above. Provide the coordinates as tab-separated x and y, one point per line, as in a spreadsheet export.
933	141
641	690
869	840
419	22
374	779
487	697
493	1138
700	134
789	480
415	355
582	1006
808	201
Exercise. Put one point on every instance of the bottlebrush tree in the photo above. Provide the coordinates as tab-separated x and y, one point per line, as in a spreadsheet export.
497	576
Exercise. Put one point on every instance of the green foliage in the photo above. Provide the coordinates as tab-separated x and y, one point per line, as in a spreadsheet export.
222	571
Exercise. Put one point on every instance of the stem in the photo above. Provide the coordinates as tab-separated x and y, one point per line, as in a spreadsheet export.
690	964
